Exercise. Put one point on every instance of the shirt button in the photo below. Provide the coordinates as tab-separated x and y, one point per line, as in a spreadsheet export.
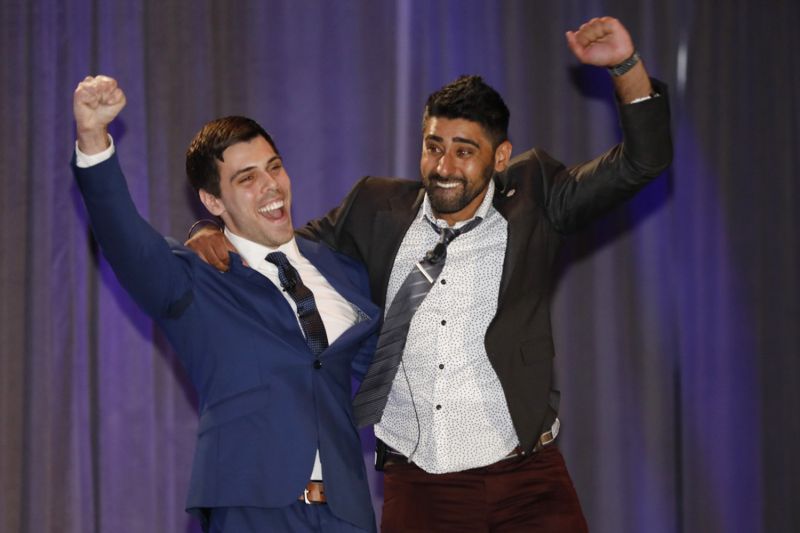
441	366
444	282
444	322
438	407
317	364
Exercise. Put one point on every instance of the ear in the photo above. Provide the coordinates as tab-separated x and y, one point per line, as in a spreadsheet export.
213	203
502	155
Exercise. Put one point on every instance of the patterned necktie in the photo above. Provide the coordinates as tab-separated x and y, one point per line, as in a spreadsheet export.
311	322
370	400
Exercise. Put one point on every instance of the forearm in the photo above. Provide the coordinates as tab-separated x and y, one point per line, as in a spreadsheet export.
578	194
647	132
633	85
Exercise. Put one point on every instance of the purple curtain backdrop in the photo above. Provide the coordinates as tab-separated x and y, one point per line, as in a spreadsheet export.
675	316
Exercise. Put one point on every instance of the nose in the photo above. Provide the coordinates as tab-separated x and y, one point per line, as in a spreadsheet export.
267	182
446	164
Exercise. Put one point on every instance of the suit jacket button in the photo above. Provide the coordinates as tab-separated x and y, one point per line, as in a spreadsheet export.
317	364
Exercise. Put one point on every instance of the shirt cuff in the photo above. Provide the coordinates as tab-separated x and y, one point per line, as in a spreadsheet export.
644	98
84	161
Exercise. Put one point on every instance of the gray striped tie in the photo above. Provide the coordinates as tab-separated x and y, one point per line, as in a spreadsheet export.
370	400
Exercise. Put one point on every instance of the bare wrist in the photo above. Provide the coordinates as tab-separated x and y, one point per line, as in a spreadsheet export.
633	84
93	141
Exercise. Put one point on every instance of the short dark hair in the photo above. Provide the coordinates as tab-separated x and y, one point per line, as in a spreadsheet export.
214	138
469	97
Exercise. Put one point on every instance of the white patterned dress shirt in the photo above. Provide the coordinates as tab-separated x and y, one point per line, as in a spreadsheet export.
446	410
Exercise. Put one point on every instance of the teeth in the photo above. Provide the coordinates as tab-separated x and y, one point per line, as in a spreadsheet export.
271	206
446	185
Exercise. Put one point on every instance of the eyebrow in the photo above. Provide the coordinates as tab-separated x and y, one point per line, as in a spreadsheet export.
251	167
455	139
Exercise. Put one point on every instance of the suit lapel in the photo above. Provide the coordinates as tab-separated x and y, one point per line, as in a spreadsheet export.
265	299
335	271
507	203
391	225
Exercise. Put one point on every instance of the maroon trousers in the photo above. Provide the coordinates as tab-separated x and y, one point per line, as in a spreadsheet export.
525	494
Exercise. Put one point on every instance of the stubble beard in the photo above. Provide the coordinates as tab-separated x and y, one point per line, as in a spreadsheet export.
443	201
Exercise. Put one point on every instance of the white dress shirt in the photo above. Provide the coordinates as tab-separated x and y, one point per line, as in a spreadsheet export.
337	314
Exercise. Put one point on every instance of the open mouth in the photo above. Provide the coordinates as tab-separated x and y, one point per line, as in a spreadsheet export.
273	210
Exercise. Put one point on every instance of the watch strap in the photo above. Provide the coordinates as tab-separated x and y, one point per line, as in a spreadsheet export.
625	66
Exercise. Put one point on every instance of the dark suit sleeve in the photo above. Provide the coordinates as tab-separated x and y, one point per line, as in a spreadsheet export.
157	279
573	196
357	273
364	356
332	228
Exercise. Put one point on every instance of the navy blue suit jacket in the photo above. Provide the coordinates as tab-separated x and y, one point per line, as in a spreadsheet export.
264	408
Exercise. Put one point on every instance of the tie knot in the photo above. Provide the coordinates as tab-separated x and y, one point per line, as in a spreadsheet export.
286	272
277	258
446	235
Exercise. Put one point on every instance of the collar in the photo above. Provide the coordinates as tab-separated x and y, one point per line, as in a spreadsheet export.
254	253
482	211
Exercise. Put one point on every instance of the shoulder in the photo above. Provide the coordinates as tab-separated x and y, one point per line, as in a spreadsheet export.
194	264
332	262
533	158
318	252
346	261
534	165
376	193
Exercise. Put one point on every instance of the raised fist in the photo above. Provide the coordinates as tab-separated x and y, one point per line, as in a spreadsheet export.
602	42
97	101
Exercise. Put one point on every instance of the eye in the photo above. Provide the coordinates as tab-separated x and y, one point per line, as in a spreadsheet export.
246	178
274	168
433	149
464	152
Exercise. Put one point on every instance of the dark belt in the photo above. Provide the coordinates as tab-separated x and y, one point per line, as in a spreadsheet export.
394	457
314	493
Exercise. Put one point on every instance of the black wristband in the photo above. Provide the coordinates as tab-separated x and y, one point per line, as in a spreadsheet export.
625	66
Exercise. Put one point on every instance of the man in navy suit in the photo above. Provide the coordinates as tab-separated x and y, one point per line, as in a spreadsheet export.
272	369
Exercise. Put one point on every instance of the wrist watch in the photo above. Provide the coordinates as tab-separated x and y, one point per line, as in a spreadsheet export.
625	66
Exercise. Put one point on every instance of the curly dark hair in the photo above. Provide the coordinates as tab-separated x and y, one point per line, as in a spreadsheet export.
214	138
469	97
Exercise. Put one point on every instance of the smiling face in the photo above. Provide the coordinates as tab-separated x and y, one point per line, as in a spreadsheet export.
255	193
456	165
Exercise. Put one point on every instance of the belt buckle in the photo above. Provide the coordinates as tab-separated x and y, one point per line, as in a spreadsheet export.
549	436
313	493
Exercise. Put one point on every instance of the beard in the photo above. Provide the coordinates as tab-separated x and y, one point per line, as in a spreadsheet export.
453	200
